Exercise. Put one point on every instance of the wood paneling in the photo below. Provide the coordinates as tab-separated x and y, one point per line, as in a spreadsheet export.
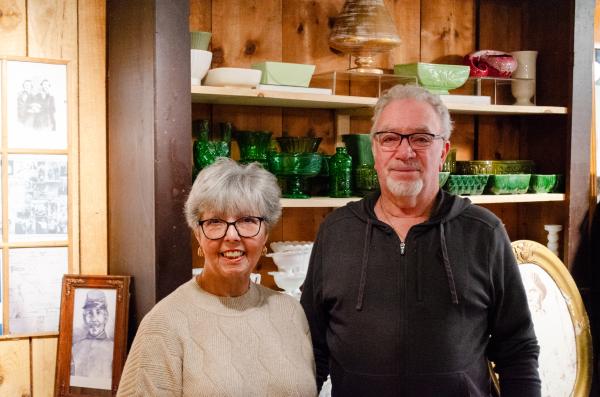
13	27
73	31
92	139
43	360
407	16
306	29
14	368
447	30
200	15
246	32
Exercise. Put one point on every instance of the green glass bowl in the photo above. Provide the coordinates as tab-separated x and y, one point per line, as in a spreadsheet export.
289	164
254	145
508	184
437	78
285	73
542	183
474	167
443	177
298	144
466	184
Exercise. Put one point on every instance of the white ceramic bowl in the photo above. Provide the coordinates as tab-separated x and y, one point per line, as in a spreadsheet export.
291	261
289	282
280	246
233	77
200	64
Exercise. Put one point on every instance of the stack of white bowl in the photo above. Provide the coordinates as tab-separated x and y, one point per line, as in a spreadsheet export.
291	259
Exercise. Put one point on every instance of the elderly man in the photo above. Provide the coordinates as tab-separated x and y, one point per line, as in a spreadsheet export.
412	290
92	355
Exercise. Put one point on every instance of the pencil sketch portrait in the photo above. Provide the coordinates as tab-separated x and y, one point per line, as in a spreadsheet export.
93	338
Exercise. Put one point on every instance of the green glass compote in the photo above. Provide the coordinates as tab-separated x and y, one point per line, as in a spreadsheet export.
295	168
254	146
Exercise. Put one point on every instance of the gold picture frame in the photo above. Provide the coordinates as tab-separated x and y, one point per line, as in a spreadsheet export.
92	336
553	295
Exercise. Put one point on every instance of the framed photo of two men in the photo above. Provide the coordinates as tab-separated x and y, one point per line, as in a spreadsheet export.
92	338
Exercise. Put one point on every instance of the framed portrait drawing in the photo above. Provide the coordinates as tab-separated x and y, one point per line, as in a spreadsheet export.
560	321
36	104
92	337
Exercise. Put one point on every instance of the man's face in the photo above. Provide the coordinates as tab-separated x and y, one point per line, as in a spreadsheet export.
95	319
405	171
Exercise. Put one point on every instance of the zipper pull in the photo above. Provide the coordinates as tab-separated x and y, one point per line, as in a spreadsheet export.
402	246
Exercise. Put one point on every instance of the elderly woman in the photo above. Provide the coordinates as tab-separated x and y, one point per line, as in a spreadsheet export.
219	334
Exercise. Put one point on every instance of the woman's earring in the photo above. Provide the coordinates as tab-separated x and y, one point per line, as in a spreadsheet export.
200	253
264	251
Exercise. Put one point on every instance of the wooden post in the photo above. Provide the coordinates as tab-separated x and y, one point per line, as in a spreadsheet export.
149	122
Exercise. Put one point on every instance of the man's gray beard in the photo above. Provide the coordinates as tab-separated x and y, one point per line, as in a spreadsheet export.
404	188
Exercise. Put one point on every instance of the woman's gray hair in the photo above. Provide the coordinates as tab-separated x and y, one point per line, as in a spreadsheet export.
228	188
419	94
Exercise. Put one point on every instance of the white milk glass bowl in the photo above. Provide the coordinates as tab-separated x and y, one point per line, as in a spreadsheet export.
291	261
289	282
200	64
280	246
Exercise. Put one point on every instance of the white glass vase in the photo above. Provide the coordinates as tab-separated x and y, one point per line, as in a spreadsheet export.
524	90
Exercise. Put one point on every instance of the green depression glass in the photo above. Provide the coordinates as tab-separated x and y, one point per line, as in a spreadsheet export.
437	78
495	167
254	146
508	184
340	173
295	168
542	183
450	163
443	177
466	184
206	151
364	175
298	144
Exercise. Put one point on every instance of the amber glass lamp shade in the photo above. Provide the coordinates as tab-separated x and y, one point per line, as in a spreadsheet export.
363	29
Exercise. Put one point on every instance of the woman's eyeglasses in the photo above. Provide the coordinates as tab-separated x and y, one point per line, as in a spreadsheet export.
391	141
246	226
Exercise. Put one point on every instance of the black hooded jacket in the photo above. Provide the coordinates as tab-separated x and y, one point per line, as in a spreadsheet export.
423	316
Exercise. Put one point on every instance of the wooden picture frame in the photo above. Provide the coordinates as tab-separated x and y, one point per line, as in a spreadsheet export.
92	338
560	321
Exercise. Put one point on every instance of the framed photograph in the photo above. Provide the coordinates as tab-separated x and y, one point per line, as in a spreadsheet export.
558	315
34	285
36	105
92	335
37	197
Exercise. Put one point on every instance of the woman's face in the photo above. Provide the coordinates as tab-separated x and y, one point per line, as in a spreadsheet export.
231	256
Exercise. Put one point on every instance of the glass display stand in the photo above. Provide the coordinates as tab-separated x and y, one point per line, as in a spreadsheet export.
352	83
358	83
499	89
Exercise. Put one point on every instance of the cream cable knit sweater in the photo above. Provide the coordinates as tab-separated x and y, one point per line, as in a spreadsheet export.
193	343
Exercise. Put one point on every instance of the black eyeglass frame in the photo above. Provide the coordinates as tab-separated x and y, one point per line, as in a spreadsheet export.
407	137
260	222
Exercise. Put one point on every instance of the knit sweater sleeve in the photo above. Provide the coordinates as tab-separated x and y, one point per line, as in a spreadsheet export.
513	345
316	314
154	363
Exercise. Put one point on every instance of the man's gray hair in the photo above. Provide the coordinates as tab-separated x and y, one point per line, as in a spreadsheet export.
419	94
228	188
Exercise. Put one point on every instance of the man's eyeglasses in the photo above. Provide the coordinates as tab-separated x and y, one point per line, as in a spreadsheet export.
391	141
246	226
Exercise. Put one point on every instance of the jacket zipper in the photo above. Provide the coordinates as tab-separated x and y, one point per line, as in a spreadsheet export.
402	246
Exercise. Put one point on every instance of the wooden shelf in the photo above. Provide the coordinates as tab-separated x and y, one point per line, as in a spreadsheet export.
255	97
330	202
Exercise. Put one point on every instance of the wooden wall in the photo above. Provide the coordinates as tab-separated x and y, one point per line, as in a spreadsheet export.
74	31
442	31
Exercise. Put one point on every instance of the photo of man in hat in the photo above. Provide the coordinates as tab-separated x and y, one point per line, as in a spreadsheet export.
92	350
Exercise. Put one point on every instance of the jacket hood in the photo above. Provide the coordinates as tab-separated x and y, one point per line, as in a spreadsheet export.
446	207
